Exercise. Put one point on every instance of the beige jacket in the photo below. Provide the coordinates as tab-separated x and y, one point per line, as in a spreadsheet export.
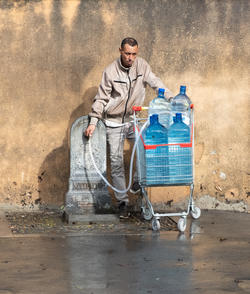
121	88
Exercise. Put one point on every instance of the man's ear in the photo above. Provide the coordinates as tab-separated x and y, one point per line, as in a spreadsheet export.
120	50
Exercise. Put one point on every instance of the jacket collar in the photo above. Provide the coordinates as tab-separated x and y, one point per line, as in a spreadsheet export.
125	68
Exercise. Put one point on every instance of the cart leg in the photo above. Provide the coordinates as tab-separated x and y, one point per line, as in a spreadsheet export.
147	208
146	213
194	210
191	201
156	224
182	224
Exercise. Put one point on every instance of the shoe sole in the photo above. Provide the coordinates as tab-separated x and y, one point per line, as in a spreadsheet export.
124	217
134	192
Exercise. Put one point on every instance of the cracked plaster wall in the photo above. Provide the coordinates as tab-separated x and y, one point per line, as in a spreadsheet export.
52	55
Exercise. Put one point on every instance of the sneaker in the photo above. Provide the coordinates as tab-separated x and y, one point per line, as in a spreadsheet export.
135	188
123	210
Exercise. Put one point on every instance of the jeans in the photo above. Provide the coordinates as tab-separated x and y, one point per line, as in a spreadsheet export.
115	138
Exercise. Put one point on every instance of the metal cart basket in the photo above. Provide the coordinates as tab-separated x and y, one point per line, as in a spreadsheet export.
164	165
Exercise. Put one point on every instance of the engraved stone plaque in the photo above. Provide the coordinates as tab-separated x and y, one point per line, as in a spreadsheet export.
88	193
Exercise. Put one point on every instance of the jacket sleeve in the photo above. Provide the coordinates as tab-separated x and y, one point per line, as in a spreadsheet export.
154	82
101	99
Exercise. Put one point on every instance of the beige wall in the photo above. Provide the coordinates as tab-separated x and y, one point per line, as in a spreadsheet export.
52	55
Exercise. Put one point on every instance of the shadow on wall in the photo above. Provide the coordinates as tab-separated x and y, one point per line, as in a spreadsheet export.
55	170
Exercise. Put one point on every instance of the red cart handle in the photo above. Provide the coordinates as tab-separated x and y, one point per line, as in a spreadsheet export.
136	108
139	108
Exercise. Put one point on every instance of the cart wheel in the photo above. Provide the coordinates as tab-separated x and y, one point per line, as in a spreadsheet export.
147	214
182	223
195	212
156	224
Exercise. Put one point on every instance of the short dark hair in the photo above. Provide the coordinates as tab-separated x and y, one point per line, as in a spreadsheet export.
130	41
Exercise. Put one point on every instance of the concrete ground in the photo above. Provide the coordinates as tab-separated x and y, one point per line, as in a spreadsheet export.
211	257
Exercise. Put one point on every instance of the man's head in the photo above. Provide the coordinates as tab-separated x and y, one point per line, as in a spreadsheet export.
128	51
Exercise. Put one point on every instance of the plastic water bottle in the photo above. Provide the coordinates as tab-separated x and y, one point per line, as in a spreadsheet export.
162	107
156	156
181	104
156	133
180	157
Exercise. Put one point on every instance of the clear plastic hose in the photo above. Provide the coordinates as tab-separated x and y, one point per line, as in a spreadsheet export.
130	167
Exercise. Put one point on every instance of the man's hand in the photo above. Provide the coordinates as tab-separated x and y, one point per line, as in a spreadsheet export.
89	131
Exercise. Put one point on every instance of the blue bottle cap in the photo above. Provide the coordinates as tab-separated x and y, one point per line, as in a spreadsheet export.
178	117
183	89
161	92
153	118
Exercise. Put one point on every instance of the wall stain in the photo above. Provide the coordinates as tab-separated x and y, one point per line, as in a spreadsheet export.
49	66
9	4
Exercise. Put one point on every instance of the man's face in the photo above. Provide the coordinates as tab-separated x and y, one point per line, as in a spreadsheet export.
128	55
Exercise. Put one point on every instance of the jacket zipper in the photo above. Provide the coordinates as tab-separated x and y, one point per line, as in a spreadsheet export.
127	98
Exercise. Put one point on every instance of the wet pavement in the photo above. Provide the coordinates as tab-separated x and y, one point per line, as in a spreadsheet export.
212	256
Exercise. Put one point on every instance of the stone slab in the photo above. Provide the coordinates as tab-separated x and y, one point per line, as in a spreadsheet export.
87	194
91	218
4	226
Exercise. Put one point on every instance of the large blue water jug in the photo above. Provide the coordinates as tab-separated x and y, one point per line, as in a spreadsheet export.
156	155
162	107
180	157
181	104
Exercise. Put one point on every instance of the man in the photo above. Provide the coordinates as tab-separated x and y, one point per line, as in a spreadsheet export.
123	86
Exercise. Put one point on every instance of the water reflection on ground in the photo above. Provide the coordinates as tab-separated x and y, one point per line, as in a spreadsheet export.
212	256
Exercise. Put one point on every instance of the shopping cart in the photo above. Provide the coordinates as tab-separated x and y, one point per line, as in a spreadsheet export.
154	165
